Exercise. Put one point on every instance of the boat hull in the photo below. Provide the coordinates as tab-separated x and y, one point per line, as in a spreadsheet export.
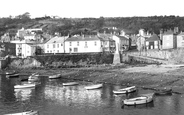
25	113
125	90
70	83
96	86
12	75
146	98
163	92
55	76
24	86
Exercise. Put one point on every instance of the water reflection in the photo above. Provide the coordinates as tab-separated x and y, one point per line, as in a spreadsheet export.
23	94
72	95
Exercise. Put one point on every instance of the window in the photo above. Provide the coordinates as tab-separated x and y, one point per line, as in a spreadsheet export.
47	45
70	43
53	45
70	49
58	45
77	43
61	44
57	51
75	49
95	43
86	44
182	43
183	37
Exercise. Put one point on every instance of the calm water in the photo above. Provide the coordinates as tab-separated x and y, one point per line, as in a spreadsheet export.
51	98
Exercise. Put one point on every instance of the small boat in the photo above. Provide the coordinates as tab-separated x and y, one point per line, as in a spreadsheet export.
12	75
24	86
24	113
70	83
55	76
33	77
143	99
125	90
95	86
163	92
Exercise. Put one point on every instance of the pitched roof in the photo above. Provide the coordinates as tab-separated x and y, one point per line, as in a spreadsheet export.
83	38
154	37
181	34
168	32
56	39
105	37
122	37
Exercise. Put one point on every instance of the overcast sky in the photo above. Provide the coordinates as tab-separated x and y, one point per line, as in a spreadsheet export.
91	8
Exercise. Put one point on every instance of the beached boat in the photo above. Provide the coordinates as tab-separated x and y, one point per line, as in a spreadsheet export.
125	90
163	92
24	113
94	86
33	77
142	99
10	72
24	86
55	76
70	83
12	75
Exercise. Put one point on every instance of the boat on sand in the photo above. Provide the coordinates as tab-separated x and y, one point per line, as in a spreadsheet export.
94	86
125	90
142	99
70	83
55	76
25	113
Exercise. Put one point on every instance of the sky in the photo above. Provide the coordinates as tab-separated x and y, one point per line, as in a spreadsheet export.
91	8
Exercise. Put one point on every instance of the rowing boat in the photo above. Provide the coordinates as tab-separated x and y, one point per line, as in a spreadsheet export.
125	90
55	76
70	83
24	113
94	86
143	99
24	86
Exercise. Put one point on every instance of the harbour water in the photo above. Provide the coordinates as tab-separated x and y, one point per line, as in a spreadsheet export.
51	98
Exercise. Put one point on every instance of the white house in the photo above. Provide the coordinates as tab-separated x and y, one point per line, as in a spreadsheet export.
24	49
84	44
55	45
108	42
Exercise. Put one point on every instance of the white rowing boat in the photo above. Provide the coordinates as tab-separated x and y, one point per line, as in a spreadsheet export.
143	99
24	86
24	113
95	86
70	83
55	76
125	90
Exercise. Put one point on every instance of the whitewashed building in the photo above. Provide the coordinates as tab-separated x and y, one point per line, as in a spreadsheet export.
55	45
84	44
24	49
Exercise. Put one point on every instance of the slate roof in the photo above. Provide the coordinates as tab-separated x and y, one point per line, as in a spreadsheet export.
105	37
122	37
168	32
83	38
56	39
154	37
181	34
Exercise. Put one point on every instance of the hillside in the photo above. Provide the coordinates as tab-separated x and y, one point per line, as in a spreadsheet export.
67	26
